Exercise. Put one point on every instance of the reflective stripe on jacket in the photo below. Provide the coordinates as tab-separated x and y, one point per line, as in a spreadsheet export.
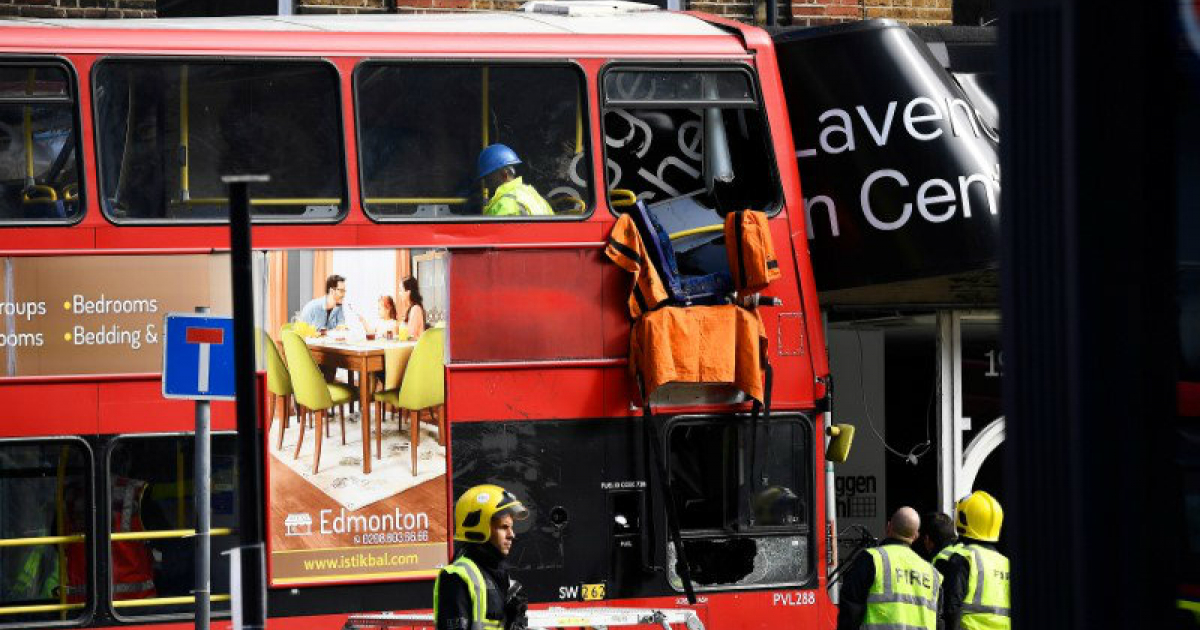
477	585
947	552
515	198
904	595
986	604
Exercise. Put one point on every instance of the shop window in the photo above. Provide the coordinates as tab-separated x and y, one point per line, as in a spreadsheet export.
168	130
691	143
151	512
39	163
743	491
421	129
44	507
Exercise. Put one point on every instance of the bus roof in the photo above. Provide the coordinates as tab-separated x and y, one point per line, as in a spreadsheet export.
467	33
640	23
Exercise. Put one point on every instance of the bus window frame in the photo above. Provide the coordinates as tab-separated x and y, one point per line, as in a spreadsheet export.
347	201
589	152
806	462
88	612
731	65
73	91
106	527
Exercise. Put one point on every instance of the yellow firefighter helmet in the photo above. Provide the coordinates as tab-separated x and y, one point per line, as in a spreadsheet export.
475	509
979	516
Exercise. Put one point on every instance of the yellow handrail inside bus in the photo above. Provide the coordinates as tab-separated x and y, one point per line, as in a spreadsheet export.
29	129
166	533
277	201
483	111
577	205
179	512
60	520
704	229
34	541
165	601
416	200
620	197
70	192
40	608
578	124
38	193
184	122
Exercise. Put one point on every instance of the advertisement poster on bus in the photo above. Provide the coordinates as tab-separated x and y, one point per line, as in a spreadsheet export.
358	503
360	493
73	315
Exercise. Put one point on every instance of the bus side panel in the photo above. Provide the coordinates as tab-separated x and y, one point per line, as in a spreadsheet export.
537	304
50	409
139	407
527	394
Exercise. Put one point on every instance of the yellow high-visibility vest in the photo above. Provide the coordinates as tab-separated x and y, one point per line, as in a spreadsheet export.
986	605
905	592
469	572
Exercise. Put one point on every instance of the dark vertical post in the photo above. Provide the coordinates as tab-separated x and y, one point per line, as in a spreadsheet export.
250	439
1087	277
202	485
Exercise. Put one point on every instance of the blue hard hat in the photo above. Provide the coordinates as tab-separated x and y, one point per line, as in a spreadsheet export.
496	157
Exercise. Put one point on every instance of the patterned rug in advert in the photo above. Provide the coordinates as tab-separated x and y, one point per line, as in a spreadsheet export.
340	474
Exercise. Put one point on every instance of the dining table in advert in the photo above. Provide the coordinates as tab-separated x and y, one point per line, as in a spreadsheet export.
363	357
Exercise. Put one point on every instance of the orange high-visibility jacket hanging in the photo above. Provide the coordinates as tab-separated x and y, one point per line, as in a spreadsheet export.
750	250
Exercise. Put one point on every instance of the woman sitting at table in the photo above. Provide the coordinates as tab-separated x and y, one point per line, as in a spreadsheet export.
414	307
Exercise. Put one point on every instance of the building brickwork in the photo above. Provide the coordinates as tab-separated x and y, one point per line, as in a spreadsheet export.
78	8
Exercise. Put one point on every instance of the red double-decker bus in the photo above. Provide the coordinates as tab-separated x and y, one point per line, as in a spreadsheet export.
112	214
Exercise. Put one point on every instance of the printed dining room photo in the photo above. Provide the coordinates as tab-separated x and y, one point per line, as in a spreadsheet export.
355	355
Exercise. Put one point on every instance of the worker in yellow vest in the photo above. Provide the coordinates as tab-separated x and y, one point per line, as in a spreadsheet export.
976	595
890	586
938	540
474	592
510	197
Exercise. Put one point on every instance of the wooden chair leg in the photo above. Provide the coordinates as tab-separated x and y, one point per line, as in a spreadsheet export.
440	412
321	420
379	430
342	417
299	442
282	424
414	437
271	398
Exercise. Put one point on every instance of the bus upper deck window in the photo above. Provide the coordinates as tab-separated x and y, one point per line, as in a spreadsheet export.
39	169
168	130
422	127
694	137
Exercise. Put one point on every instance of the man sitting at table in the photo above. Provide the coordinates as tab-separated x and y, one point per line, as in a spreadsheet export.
325	312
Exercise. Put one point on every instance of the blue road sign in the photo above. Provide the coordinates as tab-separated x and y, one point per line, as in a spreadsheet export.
198	357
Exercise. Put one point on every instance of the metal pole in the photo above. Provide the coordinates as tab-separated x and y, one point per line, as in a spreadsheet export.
249	433
202	483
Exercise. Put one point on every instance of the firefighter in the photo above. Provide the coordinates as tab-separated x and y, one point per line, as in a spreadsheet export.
938	540
510	196
475	592
976	593
890	586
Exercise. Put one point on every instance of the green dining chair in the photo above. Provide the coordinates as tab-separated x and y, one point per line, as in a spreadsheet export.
395	360
312	392
279	383
423	388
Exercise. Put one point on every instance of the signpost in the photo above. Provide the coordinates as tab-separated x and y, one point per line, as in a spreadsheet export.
198	361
